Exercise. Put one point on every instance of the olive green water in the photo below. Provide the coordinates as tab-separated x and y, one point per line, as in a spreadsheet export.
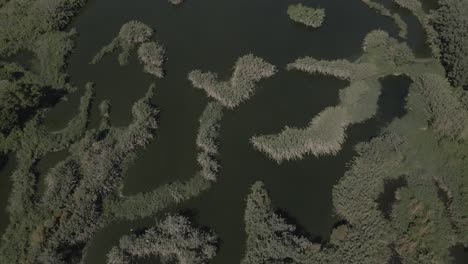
211	35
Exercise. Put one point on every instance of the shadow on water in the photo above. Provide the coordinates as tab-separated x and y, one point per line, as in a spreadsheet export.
459	254
7	166
388	198
211	35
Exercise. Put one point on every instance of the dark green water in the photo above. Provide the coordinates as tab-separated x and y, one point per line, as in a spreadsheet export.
211	35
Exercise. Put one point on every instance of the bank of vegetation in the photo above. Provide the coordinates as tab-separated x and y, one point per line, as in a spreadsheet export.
312	17
248	71
172	239
326	132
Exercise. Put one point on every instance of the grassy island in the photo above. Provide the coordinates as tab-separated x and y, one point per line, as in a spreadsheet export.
248	70
312	17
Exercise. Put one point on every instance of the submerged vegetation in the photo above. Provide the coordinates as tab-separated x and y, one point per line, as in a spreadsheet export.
248	71
312	17
174	238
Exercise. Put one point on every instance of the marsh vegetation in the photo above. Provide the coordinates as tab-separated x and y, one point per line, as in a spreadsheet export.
55	214
248	71
312	17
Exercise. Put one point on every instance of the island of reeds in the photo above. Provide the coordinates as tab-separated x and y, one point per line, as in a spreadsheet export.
311	17
248	71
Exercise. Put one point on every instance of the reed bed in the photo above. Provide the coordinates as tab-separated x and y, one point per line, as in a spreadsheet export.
312	17
248	71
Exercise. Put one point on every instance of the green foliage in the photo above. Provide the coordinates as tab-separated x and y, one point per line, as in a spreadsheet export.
385	51
448	116
247	72
23	22
151	54
451	23
174	238
269	238
312	17
15	100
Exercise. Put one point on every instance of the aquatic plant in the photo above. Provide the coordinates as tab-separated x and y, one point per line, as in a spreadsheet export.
151	54
312	17
173	238
449	117
270	239
248	70
131	34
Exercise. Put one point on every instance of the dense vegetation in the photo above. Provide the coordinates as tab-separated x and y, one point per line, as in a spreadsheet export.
248	70
308	16
174	238
68	213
